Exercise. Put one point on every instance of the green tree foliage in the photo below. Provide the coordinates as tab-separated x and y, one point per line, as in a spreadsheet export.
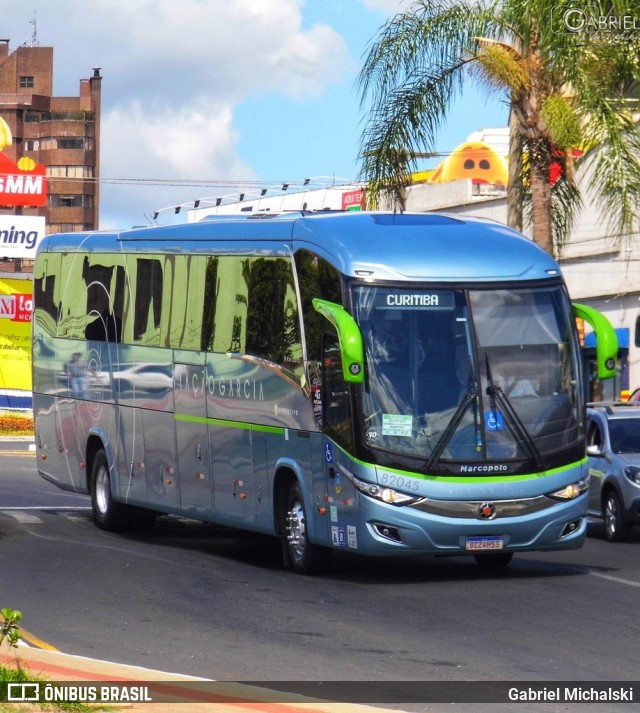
569	72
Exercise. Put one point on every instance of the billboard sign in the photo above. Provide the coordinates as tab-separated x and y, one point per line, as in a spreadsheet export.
23	183
353	200
16	304
22	188
20	235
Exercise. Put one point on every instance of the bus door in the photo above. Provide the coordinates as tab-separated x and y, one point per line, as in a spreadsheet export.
194	465
338	427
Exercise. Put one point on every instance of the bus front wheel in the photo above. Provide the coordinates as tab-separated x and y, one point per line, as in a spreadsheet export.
107	513
300	554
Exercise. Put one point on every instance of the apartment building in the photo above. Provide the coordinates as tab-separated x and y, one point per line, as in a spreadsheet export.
59	133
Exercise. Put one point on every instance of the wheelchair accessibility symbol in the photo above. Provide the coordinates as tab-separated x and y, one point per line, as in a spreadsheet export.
328	453
493	421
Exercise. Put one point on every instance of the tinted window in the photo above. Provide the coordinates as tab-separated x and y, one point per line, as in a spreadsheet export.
147	300
316	278
46	288
337	408
273	330
92	297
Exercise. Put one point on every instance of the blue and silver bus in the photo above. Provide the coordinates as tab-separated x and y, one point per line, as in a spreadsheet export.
381	383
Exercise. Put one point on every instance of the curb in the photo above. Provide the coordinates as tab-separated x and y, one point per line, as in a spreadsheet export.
168	692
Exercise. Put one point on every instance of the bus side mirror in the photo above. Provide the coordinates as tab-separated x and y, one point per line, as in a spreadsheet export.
606	339
350	337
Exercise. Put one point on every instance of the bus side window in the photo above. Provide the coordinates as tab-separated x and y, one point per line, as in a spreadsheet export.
148	301
210	297
183	282
337	406
46	289
105	299
273	327
316	278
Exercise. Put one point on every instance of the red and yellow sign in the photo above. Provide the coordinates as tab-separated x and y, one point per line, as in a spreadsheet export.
16	304
23	183
353	200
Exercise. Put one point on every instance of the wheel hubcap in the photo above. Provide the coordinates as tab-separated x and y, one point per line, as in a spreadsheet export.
612	516
296	530
102	485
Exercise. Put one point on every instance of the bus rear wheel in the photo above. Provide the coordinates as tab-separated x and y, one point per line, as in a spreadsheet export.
300	554
107	513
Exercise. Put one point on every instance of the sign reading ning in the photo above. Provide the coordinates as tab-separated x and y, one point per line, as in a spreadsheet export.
20	235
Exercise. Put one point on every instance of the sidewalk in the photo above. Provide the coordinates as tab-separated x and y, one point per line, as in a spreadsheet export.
170	693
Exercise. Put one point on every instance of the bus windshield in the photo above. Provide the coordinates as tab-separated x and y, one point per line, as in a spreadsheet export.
469	375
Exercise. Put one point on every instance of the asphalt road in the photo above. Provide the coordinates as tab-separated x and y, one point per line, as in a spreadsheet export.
189	598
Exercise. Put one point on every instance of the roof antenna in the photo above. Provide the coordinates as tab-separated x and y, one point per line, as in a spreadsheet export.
34	31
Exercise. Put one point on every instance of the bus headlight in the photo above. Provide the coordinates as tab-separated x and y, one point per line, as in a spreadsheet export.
391	496
373	490
572	491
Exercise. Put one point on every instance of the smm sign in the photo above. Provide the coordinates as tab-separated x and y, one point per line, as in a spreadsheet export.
23	188
16	307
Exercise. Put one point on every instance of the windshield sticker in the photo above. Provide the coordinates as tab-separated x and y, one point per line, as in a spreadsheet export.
397	425
494	421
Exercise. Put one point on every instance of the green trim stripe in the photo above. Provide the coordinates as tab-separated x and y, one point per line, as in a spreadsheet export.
185	418
466	479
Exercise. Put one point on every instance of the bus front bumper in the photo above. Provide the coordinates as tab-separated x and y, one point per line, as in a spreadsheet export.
390	530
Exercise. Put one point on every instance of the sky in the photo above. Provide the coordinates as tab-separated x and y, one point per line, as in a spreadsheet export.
220	94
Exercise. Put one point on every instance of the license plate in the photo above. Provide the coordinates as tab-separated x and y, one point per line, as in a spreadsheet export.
484	543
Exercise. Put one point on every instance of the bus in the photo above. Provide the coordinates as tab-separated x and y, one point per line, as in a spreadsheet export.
380	383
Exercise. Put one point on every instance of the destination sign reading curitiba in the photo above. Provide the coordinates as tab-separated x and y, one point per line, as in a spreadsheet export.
414	299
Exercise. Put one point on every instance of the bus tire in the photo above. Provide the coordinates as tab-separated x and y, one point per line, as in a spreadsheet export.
494	560
301	555
107	513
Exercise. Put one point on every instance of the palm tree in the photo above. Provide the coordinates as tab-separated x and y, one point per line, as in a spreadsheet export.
566	84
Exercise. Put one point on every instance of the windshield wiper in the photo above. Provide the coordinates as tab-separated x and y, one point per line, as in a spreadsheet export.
518	429
453	424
